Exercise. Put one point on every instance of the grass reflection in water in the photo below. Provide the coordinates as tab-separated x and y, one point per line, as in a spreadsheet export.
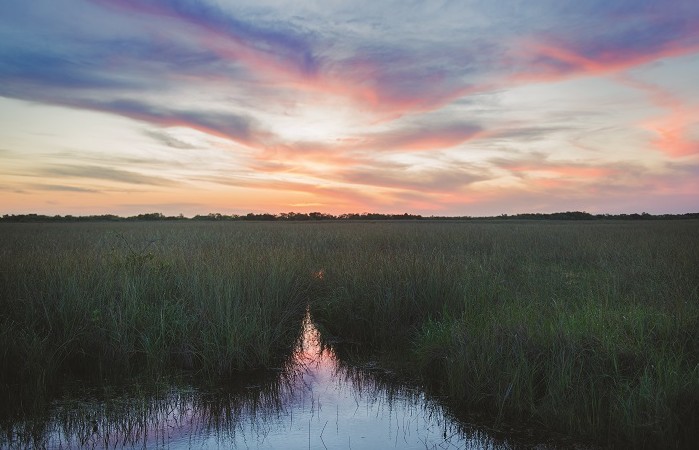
313	402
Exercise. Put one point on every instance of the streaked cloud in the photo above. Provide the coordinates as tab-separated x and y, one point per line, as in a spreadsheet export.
446	107
419	138
168	140
61	188
439	180
103	173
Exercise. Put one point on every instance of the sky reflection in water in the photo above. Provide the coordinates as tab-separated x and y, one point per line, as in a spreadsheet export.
314	403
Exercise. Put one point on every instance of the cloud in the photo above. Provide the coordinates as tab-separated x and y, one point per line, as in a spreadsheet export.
672	130
626	35
61	188
549	61
340	195
245	38
364	101
539	170
27	67
169	140
507	134
160	207
226	125
166	45
404	177
104	173
420	137
285	156
307	205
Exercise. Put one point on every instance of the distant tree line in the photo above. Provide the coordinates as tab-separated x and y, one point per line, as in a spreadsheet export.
318	216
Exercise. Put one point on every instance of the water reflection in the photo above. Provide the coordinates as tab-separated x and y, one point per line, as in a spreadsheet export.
314	402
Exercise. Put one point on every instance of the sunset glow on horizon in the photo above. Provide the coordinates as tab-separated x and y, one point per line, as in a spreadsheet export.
434	108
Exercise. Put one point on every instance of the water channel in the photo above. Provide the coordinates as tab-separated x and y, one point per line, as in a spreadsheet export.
315	402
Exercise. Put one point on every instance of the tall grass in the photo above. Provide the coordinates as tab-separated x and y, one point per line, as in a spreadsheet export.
147	416
118	300
588	328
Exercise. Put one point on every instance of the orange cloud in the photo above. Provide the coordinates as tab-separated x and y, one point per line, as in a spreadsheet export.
672	130
585	172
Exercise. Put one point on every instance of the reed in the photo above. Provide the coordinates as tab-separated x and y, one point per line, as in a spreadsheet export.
589	328
110	301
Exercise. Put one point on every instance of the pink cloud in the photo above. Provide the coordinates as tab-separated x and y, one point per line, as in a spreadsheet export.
550	61
672	130
564	171
285	60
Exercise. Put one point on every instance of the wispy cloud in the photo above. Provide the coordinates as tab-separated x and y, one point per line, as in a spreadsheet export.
403	177
227	125
673	129
104	173
61	188
433	106
169	140
254	44
420	138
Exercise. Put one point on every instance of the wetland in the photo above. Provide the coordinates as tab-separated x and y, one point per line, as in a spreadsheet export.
583	330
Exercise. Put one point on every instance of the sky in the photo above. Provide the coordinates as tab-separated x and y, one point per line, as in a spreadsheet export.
434	108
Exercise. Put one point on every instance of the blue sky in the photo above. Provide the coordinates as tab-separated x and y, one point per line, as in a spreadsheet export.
445	108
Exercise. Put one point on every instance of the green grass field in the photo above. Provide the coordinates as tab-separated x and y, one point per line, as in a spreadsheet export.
588	328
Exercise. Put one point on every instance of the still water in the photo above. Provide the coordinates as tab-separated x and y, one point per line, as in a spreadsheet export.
315	403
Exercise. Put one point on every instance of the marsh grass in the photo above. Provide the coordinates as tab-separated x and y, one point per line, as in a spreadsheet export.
588	328
112	301
151	415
